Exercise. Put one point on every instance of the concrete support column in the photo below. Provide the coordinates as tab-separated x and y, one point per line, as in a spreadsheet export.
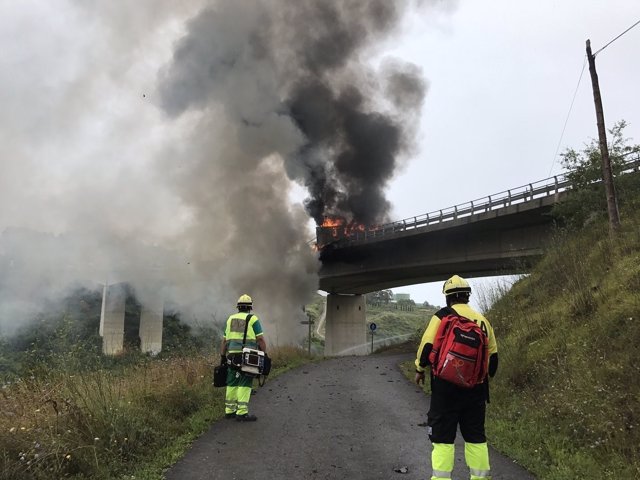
112	318
345	330
150	332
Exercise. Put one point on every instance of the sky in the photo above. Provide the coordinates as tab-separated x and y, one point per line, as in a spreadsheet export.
131	150
502	76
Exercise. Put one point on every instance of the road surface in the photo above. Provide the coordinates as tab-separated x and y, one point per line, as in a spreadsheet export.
355	418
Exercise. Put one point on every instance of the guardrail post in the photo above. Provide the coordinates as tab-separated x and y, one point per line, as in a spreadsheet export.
488	205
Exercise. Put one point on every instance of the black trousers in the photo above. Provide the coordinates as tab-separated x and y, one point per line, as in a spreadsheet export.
452	406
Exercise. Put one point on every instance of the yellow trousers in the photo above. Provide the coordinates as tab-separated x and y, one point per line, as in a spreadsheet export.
475	454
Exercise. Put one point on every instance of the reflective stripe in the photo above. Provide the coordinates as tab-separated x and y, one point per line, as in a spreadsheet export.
480	473
441	474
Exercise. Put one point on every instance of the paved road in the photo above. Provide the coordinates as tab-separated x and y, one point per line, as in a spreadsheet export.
355	418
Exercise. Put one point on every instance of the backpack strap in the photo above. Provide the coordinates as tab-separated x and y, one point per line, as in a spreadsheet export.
444	311
246	326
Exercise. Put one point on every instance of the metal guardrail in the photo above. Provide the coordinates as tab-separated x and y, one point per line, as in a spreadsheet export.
526	193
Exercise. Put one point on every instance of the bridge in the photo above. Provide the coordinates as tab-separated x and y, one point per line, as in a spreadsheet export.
501	234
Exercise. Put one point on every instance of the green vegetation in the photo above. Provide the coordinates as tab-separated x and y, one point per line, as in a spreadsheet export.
130	419
397	325
67	411
566	400
588	201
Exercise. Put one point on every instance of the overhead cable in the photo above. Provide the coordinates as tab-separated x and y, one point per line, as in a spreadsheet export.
568	115
635	24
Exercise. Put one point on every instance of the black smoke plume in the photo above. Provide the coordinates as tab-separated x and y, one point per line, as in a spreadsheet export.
292	79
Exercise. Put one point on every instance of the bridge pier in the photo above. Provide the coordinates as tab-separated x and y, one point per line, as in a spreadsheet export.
112	318
345	330
150	331
112	321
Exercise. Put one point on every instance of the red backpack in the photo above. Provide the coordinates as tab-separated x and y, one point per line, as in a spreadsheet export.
460	351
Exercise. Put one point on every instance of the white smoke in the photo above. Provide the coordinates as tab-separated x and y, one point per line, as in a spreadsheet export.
153	142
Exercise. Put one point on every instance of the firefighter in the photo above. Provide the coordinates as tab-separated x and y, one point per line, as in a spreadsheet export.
239	384
451	405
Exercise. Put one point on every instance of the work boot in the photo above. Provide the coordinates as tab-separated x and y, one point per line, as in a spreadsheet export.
246	418
230	415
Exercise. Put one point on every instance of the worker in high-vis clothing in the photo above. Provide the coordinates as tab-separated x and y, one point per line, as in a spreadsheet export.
451	405
243	329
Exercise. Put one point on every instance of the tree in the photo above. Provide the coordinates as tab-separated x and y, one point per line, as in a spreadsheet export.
587	200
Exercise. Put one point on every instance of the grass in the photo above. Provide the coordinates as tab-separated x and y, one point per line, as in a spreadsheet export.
567	396
396	326
565	403
131	422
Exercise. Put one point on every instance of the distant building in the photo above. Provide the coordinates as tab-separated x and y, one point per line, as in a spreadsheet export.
398	297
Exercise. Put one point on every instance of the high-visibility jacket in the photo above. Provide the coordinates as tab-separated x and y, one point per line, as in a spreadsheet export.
234	331
464	310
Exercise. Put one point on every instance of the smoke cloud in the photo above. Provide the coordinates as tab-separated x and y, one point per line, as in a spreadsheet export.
157	142
292	78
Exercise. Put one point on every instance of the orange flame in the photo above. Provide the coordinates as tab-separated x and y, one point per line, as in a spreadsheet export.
329	222
338	228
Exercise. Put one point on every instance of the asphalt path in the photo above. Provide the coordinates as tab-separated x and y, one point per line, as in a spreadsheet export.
355	418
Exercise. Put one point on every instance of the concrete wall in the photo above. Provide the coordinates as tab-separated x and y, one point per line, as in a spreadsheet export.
345	329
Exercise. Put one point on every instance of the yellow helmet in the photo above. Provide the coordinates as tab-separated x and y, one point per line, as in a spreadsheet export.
456	284
245	301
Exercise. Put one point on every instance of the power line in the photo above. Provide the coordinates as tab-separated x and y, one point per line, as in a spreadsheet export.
635	24
566	121
576	92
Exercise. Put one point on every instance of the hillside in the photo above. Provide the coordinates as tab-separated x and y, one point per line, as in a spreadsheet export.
566	400
395	325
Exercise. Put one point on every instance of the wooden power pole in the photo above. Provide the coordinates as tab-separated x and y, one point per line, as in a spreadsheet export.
607	176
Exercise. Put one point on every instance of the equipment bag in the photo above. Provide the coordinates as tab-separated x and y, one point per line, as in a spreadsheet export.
460	351
220	375
251	362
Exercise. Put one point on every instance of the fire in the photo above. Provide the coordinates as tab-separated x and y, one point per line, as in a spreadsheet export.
329	222
335	228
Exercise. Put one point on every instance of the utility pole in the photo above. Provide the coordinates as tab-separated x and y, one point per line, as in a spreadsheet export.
607	176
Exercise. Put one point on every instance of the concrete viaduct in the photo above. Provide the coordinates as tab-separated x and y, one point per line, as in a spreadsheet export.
501	234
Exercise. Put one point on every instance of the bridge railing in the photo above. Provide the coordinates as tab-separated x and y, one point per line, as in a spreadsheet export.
525	193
